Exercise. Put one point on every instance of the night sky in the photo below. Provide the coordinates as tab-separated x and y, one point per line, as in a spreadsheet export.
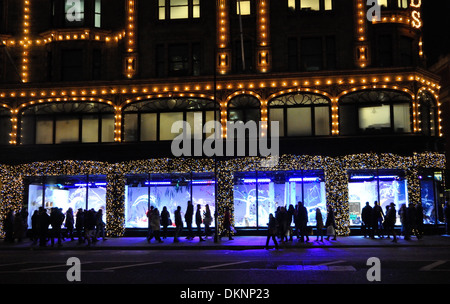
436	29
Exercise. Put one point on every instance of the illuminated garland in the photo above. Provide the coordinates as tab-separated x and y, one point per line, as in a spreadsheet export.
335	172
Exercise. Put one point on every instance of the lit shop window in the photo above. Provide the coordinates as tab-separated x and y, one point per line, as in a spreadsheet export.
394	4
431	193
257	194
243	7
98	13
167	192
383	186
310	5
375	112
151	120
74	12
67	123
64	192
178	9
301	115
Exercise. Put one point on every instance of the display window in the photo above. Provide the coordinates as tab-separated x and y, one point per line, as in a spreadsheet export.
257	194
85	192
167	190
384	187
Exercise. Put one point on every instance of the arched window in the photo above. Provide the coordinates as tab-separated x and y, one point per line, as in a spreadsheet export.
69	122
375	112
428	114
301	114
5	126
152	120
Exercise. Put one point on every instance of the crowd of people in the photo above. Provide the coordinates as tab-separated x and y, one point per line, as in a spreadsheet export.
87	225
375	221
157	219
293	221
285	224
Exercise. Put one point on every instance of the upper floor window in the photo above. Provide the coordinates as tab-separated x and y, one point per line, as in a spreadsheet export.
243	7
375	112
301	115
178	9
310	5
428	114
57	123
77	13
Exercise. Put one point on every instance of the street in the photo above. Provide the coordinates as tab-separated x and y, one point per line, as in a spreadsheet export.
419	265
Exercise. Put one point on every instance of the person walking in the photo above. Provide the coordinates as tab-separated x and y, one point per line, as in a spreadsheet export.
272	231
34	227
43	223
303	221
165	221
156	225
291	214
56	221
389	222
366	225
330	222
100	225
178	224
403	220
188	216
79	225
377	220
69	223
207	220
149	221
198	222
89	226
319	224
227	223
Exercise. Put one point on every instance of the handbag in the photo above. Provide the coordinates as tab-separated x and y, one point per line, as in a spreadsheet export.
330	230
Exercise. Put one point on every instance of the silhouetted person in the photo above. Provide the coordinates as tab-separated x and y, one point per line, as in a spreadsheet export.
207	220
8	226
69	224
79	225
165	217
447	217
291	214
412	219
188	217
303	221
331	222
272	231
156	225
89	226
319	224
34	227
56	221
419	221
366	218
377	220
198	222
178	224
227	223
99	225
149	221
403	220
389	221
43	223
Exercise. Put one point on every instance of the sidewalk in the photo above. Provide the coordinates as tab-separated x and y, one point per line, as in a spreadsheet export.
238	243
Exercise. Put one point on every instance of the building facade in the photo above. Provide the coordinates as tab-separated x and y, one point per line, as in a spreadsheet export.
90	89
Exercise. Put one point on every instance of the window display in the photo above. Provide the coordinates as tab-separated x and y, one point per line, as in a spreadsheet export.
382	187
66	192
166	190
257	194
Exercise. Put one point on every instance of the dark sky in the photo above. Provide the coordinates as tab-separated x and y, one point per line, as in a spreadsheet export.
436	28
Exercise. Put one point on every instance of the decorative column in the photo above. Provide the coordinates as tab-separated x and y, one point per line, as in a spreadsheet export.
263	50
130	64
223	62
362	45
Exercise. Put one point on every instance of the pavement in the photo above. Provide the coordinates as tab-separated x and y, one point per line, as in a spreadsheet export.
238	243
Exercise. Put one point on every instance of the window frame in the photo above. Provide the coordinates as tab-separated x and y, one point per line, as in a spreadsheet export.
165	6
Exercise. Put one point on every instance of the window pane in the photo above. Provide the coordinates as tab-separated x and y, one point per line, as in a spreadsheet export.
328	5
383	3
278	115
130	127
44	130
374	118
313	5
402	118
322	120
165	125
108	128
5	127
179	12
291	4
299	122
27	130
67	130
89	129
195	121
243	7
196	9
148	127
